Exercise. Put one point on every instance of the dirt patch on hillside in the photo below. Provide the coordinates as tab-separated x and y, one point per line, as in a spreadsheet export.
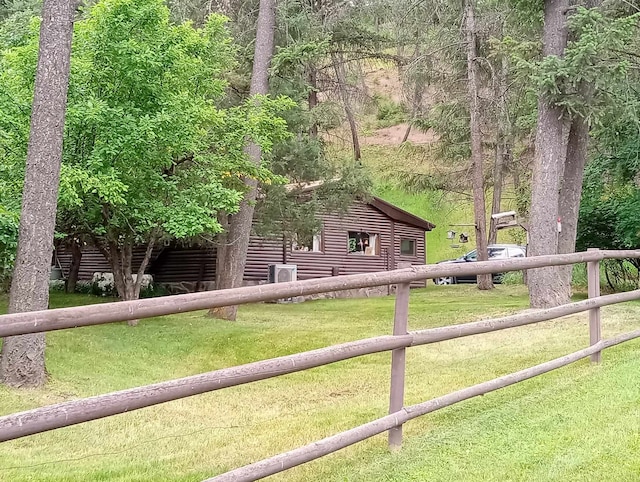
392	136
384	81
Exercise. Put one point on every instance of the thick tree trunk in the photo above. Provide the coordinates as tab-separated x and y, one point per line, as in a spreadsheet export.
341	77
546	285
240	224
571	185
571	191
484	281
74	269
235	251
22	362
113	256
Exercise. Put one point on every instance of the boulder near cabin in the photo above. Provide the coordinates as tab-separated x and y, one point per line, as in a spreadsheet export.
372	235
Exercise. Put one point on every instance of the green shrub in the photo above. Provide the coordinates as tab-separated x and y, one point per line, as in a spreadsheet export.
84	287
388	112
579	275
56	285
9	223
153	290
107	291
620	275
513	278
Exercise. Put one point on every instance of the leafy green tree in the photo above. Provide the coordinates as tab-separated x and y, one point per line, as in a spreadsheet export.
610	216
303	46
13	7
148	153
8	244
14	129
606	59
301	43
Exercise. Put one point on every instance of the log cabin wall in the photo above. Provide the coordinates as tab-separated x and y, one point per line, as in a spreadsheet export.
335	257
197	264
177	264
93	261
184	264
404	231
167	264
261	253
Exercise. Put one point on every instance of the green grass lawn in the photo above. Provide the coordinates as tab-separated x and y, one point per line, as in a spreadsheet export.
581	422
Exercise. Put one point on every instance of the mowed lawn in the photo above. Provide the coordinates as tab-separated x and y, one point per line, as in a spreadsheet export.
581	422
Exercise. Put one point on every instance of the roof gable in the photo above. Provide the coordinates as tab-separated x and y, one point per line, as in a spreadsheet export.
397	214
390	210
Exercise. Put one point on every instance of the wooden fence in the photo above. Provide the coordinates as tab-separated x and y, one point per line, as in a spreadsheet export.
78	411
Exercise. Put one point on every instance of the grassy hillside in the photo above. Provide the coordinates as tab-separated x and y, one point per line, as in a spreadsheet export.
437	208
381	119
447	210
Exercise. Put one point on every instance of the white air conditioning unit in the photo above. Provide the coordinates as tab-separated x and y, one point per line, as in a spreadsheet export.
282	273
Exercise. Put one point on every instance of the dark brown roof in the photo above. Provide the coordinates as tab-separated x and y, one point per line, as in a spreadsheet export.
397	214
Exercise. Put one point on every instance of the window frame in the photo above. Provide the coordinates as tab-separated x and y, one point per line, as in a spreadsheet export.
414	245
363	253
319	236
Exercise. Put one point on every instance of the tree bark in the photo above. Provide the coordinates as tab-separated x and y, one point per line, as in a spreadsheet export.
407	132
120	259
74	269
143	266
341	77
417	94
312	78
240	223
571	185
22	358
502	150
498	170
571	191
546	285
484	281
221	246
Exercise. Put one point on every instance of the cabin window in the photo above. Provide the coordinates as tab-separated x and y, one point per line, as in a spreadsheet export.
408	247
311	243
364	243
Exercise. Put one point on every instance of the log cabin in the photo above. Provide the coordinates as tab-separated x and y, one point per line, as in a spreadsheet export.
371	236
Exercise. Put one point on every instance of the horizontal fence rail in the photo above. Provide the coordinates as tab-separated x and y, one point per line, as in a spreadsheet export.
433	335
78	411
328	445
62	318
92	408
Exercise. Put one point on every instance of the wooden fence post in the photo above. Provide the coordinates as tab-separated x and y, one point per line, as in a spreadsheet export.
400	326
595	329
